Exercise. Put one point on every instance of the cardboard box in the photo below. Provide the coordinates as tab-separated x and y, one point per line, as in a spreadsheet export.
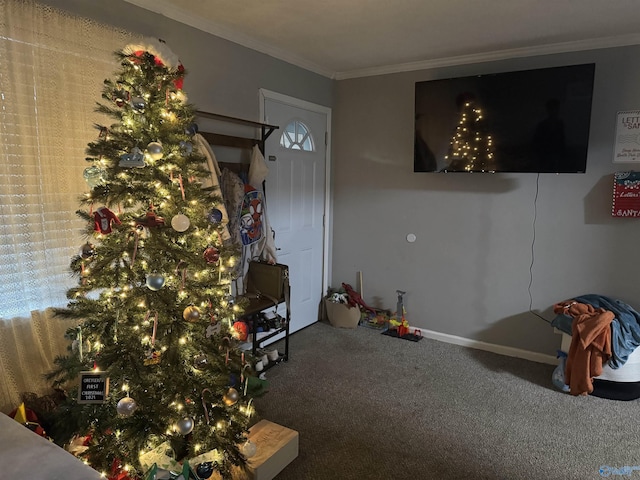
277	447
341	315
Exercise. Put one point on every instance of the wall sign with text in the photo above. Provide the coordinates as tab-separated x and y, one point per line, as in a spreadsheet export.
627	146
626	194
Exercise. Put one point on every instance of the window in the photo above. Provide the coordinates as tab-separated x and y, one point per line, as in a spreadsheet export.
53	67
296	136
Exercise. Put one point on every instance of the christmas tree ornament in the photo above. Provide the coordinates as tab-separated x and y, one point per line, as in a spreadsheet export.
213	329
241	331
225	343
94	176
80	345
192	129
155	281
87	250
204	404
211	255
180	223
186	148
200	361
154	150
138	104
185	425
231	397
121	97
248	449
126	406
214	216
204	470
103	218
152	357
150	220
134	159
191	313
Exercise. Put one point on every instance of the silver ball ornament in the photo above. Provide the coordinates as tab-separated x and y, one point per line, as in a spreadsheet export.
126	406
154	150
93	175
186	148
249	449
214	216
231	397
155	281
192	129
180	223
87	250
200	361
138	104
185	425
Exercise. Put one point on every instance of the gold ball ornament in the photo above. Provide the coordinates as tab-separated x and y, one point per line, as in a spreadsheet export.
191	314
154	150
231	397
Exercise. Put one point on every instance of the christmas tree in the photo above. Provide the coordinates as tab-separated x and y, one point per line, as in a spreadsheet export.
471	148
153	299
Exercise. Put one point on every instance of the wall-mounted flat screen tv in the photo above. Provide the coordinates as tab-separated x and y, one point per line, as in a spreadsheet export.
524	121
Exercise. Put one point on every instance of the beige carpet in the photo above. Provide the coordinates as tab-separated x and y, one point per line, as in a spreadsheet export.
369	406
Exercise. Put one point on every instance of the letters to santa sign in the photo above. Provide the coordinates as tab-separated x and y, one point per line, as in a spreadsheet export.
626	194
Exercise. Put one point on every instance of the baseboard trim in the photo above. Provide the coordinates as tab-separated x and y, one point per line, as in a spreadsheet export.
489	347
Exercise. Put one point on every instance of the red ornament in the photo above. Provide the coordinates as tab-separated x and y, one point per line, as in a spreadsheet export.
150	220
103	218
240	331
211	255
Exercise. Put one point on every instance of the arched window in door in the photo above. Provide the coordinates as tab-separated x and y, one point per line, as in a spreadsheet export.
296	136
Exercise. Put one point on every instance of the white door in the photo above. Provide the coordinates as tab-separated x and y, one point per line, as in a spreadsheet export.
296	154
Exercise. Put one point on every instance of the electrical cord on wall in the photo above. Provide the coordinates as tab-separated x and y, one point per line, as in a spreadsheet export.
533	242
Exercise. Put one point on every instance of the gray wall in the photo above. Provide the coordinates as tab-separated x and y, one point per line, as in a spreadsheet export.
223	77
468	272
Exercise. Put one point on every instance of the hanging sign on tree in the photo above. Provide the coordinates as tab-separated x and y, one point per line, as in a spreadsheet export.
94	387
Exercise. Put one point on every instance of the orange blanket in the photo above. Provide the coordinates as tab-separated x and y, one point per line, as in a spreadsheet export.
590	344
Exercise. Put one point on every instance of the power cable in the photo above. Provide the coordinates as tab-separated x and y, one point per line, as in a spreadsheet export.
533	242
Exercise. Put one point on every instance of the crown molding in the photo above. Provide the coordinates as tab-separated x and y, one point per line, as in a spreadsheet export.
566	47
169	10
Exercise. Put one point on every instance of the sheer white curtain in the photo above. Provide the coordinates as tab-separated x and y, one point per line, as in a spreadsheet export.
52	65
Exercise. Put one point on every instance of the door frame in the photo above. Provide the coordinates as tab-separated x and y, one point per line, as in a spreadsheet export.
327	222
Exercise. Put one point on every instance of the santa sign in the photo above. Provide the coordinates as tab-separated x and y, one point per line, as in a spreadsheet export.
626	194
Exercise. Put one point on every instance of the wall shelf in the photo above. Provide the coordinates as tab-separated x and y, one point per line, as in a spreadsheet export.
236	141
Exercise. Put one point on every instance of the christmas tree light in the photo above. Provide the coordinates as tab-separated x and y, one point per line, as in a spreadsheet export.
154	293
